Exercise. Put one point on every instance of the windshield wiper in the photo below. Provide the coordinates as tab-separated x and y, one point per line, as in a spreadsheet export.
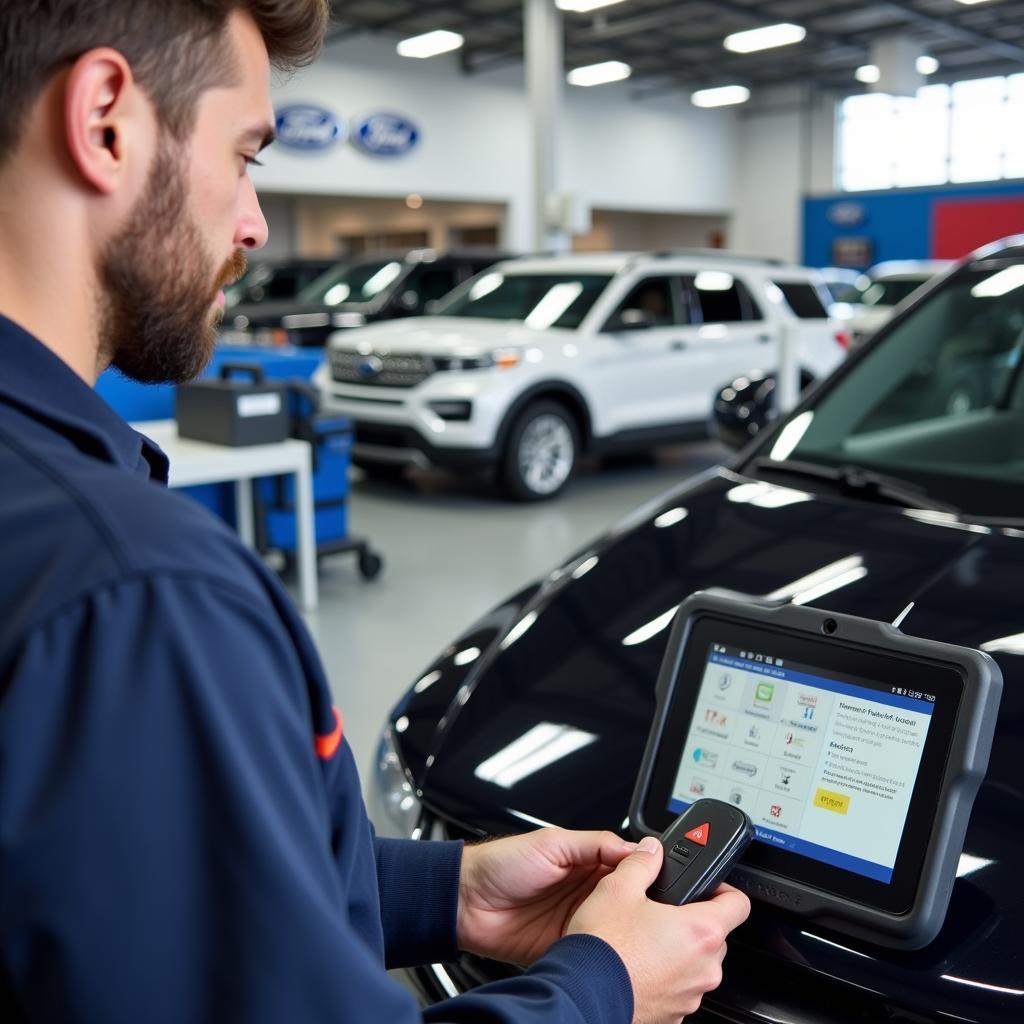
857	482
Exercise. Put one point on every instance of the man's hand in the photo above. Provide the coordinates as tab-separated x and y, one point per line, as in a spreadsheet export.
517	895
673	954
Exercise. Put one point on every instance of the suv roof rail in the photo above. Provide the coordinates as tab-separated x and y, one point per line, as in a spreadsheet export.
720	254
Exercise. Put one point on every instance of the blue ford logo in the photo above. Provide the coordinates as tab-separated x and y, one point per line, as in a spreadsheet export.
370	367
386	135
304	126
847	214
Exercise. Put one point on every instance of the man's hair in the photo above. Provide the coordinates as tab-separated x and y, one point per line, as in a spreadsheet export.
175	48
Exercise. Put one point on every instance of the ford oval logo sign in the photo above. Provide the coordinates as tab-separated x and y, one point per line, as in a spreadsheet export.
370	367
307	127
386	135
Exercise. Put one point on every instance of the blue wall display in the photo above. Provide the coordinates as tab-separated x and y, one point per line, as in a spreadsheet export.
307	127
908	224
385	135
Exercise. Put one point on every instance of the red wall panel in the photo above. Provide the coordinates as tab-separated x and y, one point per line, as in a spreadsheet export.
961	225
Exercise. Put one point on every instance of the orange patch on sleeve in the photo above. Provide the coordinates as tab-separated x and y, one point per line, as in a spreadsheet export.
327	745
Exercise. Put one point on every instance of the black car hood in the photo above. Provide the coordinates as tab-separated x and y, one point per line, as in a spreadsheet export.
582	652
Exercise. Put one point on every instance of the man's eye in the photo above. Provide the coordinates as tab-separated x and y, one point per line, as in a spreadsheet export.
251	161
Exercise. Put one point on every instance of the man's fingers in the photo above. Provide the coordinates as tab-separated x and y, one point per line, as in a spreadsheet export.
587	848
731	906
641	868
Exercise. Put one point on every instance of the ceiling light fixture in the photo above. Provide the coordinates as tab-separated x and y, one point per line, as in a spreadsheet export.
868	74
722	96
584	6
926	64
430	44
753	39
599	74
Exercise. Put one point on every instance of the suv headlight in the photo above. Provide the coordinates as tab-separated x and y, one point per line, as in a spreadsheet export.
503	358
396	804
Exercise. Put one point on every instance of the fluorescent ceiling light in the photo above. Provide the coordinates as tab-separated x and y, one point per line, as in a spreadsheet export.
792	434
765	495
723	96
833	576
999	284
713	281
583	6
972	1
783	34
671	517
558	299
430	44
599	74
926	64
543	745
868	74
651	629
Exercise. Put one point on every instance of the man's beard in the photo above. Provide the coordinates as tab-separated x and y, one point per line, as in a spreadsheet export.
157	287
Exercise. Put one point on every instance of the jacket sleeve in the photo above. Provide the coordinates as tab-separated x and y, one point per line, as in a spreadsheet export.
166	836
419	899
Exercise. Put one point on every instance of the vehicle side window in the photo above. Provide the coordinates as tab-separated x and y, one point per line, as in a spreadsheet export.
721	298
803	298
435	282
652	297
283	285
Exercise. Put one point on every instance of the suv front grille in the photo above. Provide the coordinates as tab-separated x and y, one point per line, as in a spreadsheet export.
386	371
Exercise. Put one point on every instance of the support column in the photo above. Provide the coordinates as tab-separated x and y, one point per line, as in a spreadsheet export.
545	71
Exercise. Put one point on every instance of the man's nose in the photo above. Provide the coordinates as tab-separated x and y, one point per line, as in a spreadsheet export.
251	231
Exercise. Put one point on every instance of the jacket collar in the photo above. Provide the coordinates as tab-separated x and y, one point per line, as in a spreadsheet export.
43	386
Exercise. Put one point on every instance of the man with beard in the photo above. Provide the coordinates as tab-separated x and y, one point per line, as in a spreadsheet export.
182	836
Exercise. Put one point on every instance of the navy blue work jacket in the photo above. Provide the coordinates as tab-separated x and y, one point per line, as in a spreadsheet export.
182	836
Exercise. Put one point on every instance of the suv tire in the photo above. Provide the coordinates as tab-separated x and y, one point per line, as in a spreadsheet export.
540	453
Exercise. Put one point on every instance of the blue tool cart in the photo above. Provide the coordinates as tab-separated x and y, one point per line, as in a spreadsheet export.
330	438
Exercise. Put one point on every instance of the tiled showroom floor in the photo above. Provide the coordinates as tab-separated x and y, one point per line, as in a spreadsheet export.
452	551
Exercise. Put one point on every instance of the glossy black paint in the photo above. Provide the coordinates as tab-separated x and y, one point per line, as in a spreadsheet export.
555	653
571	668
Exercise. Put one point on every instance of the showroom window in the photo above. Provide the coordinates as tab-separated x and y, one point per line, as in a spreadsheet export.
968	131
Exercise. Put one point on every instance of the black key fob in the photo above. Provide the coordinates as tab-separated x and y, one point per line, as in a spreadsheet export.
701	847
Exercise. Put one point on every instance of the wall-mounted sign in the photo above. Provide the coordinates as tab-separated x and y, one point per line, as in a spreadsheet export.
857	253
308	127
847	214
385	135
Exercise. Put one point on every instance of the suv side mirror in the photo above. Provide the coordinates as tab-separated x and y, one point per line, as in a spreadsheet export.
632	320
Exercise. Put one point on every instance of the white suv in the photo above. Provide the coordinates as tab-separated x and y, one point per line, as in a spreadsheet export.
536	360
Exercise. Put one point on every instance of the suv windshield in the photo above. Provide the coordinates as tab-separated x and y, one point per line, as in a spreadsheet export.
539	300
938	402
357	282
890	291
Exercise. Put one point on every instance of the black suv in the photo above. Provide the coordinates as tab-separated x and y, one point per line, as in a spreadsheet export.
875	492
354	293
275	280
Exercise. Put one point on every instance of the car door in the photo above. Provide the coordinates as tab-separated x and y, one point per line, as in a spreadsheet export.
639	358
732	336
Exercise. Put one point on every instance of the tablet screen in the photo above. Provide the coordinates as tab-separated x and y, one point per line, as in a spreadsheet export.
824	766
836	751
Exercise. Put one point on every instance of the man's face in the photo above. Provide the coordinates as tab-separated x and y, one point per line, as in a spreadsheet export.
162	276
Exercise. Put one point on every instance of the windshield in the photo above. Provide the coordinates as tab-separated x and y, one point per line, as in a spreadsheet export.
891	291
538	300
939	402
358	282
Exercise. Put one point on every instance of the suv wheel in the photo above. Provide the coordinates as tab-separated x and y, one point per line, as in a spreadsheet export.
541	452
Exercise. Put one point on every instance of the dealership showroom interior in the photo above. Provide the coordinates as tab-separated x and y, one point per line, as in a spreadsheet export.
611	447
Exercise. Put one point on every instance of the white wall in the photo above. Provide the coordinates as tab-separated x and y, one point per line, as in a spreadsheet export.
657	156
785	150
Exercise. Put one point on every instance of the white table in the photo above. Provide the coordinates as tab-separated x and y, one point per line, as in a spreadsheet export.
197	462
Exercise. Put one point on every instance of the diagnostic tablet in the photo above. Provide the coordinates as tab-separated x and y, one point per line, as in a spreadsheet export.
856	751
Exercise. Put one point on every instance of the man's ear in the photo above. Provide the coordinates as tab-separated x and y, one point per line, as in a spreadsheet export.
100	108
